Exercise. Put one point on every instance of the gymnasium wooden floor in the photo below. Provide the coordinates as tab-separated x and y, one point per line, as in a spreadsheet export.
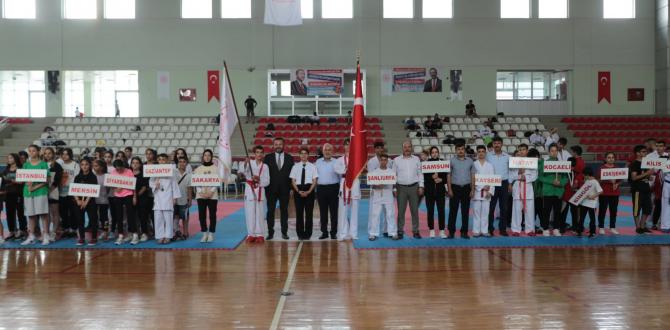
335	286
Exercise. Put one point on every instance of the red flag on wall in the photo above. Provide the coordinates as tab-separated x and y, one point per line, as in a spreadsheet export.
213	89
604	87
358	152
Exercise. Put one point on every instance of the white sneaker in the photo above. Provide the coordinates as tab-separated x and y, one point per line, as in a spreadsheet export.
205	237
136	239
601	231
119	240
442	234
557	232
45	240
614	231
432	233
2	240
29	240
144	238
127	238
52	236
546	233
210	238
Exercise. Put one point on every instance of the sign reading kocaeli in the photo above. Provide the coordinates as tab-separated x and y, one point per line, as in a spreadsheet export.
557	167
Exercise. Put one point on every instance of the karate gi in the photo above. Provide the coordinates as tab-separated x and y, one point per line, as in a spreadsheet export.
254	198
524	199
347	212
665	202
165	190
481	201
382	203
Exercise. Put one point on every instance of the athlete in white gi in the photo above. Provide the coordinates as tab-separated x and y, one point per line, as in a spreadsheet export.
481	200
382	199
523	195
347	212
257	178
166	191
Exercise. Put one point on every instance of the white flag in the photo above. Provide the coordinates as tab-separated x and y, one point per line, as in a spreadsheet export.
283	12
226	129
163	86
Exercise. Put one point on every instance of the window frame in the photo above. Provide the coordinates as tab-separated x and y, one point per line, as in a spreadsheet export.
181	11
4	11
530	10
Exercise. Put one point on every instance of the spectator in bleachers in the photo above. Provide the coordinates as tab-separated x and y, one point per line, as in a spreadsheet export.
553	138
349	118
128	151
470	109
250	104
77	114
410	124
314	119
437	122
536	138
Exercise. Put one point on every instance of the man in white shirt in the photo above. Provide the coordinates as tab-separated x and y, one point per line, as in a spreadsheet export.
410	188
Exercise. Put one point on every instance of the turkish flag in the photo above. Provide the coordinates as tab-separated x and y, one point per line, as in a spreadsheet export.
213	89
604	87
358	152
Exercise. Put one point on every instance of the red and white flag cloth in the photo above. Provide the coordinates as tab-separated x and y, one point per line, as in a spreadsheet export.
226	129
213	86
283	12
604	86
358	153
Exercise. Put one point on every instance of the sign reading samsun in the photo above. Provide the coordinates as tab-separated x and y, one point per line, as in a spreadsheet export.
440	166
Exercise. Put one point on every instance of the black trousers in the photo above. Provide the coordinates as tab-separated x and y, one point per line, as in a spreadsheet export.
657	212
203	206
124	206
103	216
14	210
462	198
539	206
304	213
283	197
327	194
611	203
564	215
551	204
432	199
582	212
80	219
501	196
66	208
144	211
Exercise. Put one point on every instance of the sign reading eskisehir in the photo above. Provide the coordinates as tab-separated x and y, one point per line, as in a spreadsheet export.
614	173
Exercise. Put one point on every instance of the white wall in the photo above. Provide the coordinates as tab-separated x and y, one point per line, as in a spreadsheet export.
476	41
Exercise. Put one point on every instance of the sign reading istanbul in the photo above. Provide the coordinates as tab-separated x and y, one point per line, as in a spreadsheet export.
31	175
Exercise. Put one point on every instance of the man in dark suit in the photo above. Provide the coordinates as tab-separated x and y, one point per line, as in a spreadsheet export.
298	87
434	84
280	165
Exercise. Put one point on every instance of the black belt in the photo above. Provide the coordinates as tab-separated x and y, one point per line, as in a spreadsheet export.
329	185
408	185
461	186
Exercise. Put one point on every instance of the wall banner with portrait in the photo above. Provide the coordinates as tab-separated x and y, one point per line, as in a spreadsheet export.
411	80
456	85
316	82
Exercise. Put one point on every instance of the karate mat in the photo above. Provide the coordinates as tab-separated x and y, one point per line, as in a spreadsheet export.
230	231
625	225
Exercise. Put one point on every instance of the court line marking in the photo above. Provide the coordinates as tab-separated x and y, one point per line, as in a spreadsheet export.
287	286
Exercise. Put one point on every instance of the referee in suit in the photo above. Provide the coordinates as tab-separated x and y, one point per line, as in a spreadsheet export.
280	164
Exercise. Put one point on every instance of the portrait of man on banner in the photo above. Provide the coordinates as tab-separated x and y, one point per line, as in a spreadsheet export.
298	85
456	85
434	83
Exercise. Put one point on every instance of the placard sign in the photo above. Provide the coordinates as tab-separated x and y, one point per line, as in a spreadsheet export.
581	194
158	170
380	178
655	163
440	166
31	175
84	190
205	180
614	173
557	167
523	162
488	180
666	168
120	181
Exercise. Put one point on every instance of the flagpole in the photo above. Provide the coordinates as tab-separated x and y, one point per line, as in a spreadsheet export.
239	122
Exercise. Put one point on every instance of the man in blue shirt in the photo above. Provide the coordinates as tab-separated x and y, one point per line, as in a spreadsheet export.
327	191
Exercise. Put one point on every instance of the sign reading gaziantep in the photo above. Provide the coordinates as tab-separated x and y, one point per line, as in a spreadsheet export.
84	190
488	180
158	170
377	178
31	175
523	162
614	173
205	180
557	167
120	181
440	166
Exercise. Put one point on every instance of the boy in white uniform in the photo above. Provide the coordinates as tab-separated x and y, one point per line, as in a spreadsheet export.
382	198
481	200
665	201
347	222
523	195
258	177
166	192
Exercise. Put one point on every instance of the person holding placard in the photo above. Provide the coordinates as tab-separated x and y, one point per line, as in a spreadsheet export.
123	202
609	198
481	200
436	193
257	178
523	195
460	190
658	184
500	161
55	174
66	208
303	180
553	187
640	190
576	178
12	190
35	196
102	201
665	200
183	202
349	198
141	200
207	197
86	205
589	204
374	164
166	192
382	198
410	188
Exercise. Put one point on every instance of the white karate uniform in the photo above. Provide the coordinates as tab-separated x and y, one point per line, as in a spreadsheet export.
373	164
254	199
518	196
481	201
164	198
665	202
382	200
347	212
